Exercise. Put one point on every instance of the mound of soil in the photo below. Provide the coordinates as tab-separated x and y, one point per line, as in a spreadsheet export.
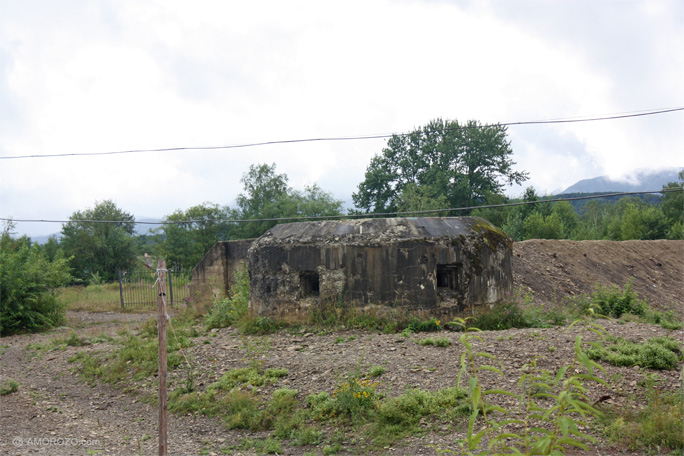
556	270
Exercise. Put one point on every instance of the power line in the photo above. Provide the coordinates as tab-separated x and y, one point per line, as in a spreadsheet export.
348	216
348	138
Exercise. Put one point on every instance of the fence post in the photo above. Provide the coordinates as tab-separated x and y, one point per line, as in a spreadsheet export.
121	290
161	330
170	288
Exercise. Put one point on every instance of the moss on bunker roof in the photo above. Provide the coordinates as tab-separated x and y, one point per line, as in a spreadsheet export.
381	230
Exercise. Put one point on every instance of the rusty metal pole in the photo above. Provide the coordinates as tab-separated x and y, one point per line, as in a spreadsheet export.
161	330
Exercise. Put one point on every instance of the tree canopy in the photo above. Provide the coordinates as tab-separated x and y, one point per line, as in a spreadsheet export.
466	164
194	232
267	195
98	250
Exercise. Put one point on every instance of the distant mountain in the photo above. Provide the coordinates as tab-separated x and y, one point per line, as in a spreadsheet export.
646	180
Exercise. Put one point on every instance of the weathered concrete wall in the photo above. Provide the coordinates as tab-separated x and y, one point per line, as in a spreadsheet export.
438	266
213	276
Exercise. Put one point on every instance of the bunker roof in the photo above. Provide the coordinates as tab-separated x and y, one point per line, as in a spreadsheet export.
381	230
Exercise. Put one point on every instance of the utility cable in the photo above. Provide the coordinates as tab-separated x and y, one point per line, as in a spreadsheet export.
348	138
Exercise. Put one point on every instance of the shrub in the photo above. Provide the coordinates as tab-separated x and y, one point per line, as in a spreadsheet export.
26	281
505	315
355	398
613	302
430	325
230	310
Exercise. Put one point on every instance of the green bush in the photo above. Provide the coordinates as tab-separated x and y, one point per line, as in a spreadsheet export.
663	353
229	311
27	279
505	315
613	302
355	398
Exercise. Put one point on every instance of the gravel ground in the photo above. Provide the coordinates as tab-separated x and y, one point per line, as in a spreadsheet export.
55	412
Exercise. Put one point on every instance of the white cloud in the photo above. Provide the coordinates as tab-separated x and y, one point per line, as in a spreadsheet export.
113	75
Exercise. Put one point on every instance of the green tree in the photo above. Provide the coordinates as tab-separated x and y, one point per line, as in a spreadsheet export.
643	221
192	232
26	279
537	226
52	249
99	241
673	207
414	198
465	163
268	196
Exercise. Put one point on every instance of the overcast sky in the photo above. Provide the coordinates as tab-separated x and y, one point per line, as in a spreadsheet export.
82	76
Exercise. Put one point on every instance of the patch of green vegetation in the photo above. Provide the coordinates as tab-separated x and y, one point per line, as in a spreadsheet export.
93	298
399	417
260	325
657	428
663	353
552	405
613	302
248	376
3	349
9	387
138	356
260	446
430	325
73	340
231	310
332	449
376	371
438	342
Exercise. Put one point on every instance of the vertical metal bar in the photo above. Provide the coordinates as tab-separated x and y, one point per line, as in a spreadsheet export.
161	329
170	288
121	291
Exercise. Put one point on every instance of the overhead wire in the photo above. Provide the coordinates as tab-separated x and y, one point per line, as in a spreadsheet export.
347	138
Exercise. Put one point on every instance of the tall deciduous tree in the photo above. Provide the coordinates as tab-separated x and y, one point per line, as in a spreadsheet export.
268	196
97	249
464	163
193	232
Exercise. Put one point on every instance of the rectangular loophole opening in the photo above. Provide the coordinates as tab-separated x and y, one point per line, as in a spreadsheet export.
447	276
309	283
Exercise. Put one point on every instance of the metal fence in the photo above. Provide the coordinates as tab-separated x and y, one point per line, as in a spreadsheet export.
139	289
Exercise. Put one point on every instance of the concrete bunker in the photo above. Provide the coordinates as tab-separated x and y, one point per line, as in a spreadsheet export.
213	276
433	266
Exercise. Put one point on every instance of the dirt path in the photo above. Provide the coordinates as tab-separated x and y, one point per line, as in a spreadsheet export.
55	403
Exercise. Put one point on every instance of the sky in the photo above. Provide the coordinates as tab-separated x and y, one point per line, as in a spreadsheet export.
83	76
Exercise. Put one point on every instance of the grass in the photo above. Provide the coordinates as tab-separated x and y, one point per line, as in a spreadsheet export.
662	353
437	342
137	358
656	428
93	298
9	387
